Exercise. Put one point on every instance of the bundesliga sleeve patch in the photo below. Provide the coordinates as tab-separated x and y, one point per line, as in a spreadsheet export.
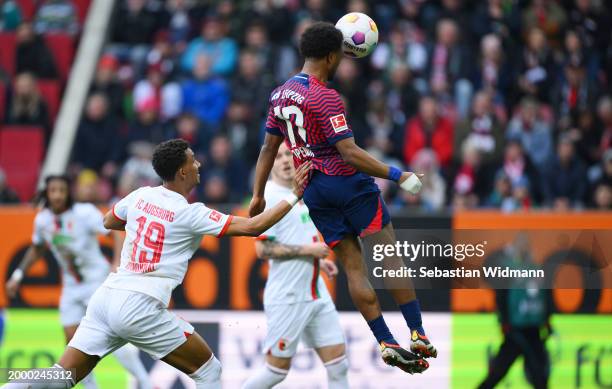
338	122
215	216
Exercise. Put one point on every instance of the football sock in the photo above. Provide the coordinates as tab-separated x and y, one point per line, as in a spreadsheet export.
412	315
208	376
337	370
265	377
381	331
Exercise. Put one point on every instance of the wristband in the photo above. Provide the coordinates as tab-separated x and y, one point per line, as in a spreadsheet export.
291	198
394	173
412	184
17	275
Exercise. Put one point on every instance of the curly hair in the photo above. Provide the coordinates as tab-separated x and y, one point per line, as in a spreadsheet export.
319	40
168	157
43	196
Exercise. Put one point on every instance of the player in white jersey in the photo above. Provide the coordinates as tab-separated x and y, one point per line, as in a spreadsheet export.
163	230
70	230
296	301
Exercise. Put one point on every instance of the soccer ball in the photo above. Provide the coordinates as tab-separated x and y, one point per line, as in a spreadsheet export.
360	34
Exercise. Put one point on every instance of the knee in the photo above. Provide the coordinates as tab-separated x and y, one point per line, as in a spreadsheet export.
208	373
337	368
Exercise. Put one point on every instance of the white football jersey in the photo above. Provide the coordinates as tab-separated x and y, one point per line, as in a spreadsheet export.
72	237
297	279
162	232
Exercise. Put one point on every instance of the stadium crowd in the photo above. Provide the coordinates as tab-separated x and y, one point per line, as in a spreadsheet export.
501	103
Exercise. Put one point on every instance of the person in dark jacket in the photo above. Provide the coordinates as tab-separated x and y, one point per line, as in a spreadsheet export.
565	180
98	144
32	54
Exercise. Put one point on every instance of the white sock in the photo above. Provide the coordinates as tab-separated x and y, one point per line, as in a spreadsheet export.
337	370
47	385
89	382
128	357
265	377
208	376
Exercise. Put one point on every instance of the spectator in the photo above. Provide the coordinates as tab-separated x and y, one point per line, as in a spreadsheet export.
482	129
133	27
138	170
249	84
213	43
534	133
429	130
256	41
402	96
433	193
470	176
10	16
239	126
602	172
145	127
548	16
26	106
400	51
222	165
493	74
449	66
206	96
91	188
573	95
7	195
33	55
98	144
574	52
501	196
56	16
604	116
188	128
586	138
499	18
349	83
520	170
166	94
179	24
565	183
536	67
105	81
378	136
215	190
602	197
591	21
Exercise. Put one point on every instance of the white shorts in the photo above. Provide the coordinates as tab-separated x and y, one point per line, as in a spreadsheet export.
316	323
74	301
115	317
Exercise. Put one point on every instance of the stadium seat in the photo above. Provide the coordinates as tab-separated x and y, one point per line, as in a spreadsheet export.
21	155
82	6
28	8
8	45
51	92
62	48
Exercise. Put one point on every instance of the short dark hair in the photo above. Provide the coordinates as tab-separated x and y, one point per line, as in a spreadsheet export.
168	157
319	40
61	177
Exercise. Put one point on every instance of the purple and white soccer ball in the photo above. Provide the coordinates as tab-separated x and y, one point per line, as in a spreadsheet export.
360	34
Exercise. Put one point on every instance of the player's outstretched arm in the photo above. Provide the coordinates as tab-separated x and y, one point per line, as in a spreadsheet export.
366	163
256	225
32	254
267	249
267	154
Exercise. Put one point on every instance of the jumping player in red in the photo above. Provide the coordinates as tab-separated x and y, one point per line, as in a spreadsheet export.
344	202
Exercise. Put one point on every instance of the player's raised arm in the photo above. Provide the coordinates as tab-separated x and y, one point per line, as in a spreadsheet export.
256	225
266	249
262	171
366	163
